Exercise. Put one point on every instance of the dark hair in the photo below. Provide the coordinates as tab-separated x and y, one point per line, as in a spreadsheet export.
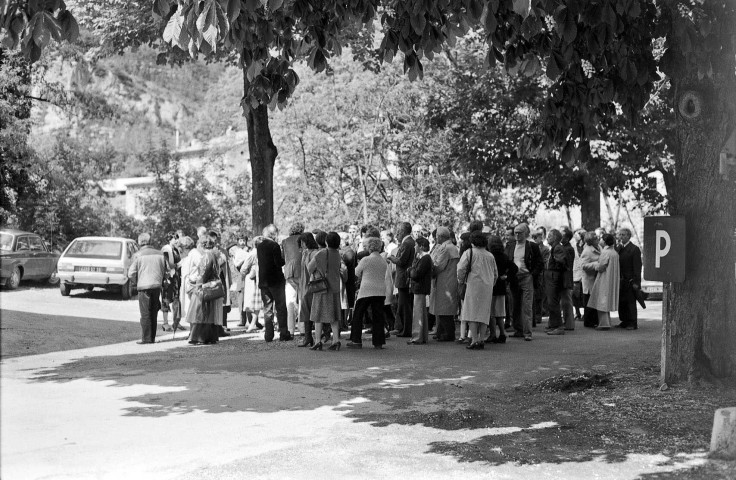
424	243
608	239
478	239
404	230
319	237
556	234
296	229
170	235
509	227
567	234
475	226
373	232
543	229
590	238
306	240
333	240
495	243
365	228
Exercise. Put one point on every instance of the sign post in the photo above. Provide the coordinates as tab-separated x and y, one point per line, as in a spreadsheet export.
665	261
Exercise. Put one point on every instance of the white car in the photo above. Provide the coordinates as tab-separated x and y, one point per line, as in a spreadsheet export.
90	262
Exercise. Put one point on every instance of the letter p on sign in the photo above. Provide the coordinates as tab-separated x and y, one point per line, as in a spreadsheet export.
664	249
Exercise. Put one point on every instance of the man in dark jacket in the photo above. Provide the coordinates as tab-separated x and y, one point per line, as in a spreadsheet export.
403	260
528	260
292	272
629	260
272	283
554	282
147	271
566	305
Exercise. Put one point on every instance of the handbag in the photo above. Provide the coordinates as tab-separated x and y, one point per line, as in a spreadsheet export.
212	290
464	285
318	282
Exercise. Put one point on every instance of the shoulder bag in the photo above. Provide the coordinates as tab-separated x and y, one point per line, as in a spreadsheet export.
214	289
318	282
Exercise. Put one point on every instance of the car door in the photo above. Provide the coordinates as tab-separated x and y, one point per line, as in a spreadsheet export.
44	261
24	257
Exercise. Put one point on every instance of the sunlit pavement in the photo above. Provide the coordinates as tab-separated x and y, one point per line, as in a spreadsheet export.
248	422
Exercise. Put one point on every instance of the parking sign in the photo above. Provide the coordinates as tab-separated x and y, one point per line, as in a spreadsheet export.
664	249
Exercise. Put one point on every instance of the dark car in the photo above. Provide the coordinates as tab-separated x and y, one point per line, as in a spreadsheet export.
24	256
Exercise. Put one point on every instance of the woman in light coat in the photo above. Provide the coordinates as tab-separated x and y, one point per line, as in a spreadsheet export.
309	248
589	265
443	298
481	274
187	264
604	295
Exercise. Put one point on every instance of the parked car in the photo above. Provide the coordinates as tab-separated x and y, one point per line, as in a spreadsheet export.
654	289
90	262
24	256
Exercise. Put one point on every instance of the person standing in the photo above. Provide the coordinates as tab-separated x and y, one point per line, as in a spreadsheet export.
292	271
272	283
403	259
147	271
589	263
172	284
326	304
566	303
554	281
630	263
309	249
185	266
477	268
371	271
604	296
506	268
205	316
420	274
443	297
540	302
528	260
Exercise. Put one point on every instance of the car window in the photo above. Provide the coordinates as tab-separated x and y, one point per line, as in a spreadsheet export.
95	248
37	244
131	250
22	244
6	242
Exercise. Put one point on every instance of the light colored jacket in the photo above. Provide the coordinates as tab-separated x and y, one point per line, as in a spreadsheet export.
443	298
604	294
148	268
479	290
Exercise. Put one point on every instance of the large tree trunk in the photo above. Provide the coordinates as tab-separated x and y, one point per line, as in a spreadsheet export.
262	160
699	336
590	204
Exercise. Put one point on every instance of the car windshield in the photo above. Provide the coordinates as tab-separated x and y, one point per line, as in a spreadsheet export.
95	249
6	242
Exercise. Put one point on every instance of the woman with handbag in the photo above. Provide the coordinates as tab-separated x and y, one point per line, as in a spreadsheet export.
309	248
205	311
477	270
589	264
326	270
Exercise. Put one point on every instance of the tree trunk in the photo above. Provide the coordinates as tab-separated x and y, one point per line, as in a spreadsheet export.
262	160
699	336
590	205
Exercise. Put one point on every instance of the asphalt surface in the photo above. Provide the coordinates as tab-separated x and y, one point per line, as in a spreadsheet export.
245	408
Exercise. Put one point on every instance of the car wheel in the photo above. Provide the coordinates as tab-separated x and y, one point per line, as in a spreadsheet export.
64	289
127	290
14	279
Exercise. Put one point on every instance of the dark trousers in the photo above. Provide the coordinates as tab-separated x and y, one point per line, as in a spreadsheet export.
377	321
388	315
149	303
509	304
553	283
627	304
274	298
405	311
539	307
590	315
445	328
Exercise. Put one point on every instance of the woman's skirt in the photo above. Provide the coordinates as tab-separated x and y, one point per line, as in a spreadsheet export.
204	333
326	307
498	306
252	300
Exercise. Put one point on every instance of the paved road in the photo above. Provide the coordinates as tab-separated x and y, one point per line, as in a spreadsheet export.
244	408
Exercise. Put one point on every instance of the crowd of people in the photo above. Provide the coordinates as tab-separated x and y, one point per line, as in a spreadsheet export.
470	289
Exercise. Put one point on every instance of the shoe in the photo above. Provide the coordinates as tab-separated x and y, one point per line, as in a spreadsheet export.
569	329
335	346
241	324
166	328
621	325
528	338
354	345
501	339
461	340
602	328
141	342
306	343
509	328
435	337
578	318
394	332
517	335
480	346
378	347
181	327
412	342
227	329
317	346
632	327
224	334
433	332
556	331
286	338
388	335
472	346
